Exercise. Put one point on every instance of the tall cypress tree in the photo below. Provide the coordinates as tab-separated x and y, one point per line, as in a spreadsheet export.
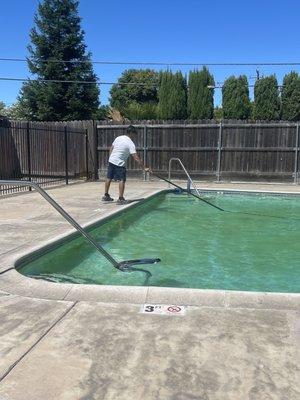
235	98
178	100
57	35
164	93
172	95
290	97
266	99
200	96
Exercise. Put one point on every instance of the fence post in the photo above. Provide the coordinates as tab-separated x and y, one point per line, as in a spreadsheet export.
66	155
96	174
28	153
87	154
296	154
145	150
219	152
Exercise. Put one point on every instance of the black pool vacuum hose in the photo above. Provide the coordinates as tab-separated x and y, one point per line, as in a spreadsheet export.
192	194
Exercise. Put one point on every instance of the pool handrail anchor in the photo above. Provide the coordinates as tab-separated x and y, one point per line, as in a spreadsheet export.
190	182
122	265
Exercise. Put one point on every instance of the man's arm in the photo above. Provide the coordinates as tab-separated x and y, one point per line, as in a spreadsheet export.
140	162
111	149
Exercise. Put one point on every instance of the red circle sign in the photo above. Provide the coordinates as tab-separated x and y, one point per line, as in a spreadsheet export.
174	309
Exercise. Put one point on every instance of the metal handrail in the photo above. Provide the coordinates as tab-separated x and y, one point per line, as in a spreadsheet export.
187	174
62	212
123	265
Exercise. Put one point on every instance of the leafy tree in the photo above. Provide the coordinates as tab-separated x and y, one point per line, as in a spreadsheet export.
136	90
235	98
266	99
251	109
57	35
218	113
3	109
172	96
138	111
15	112
200	96
290	97
102	113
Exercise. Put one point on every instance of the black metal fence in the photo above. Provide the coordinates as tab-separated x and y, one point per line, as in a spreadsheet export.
45	153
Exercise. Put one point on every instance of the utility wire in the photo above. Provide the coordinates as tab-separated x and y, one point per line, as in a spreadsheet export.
156	63
96	81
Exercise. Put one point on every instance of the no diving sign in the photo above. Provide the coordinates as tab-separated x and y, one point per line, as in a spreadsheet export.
163	309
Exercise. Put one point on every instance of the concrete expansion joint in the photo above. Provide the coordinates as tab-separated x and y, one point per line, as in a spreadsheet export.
66	295
226	300
147	294
7	372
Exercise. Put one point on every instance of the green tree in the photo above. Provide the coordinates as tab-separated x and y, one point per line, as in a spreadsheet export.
266	99
138	111
290	97
218	113
102	113
200	95
172	96
3	108
16	112
235	98
135	93
164	93
57	35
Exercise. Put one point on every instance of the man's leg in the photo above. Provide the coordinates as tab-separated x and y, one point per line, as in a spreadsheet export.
107	185
106	196
121	189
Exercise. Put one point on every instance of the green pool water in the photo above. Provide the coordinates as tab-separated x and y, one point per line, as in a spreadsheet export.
253	247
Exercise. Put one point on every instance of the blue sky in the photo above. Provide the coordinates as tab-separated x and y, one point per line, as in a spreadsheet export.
165	31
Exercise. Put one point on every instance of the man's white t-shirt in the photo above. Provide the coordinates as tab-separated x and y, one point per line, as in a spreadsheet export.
123	147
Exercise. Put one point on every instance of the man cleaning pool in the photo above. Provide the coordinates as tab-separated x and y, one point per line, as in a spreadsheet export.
120	150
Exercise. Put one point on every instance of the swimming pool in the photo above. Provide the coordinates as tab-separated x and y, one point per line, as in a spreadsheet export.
253	248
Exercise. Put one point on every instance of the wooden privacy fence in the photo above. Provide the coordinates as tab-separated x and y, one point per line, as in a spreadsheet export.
46	153
222	151
53	152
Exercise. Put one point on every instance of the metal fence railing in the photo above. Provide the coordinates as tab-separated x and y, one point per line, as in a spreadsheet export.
44	154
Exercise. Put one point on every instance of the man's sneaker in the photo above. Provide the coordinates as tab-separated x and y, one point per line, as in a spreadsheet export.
121	200
107	197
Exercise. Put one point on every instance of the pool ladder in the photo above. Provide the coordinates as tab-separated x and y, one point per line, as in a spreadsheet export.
122	265
190	182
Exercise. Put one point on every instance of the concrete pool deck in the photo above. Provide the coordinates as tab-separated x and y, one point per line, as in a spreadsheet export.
65	341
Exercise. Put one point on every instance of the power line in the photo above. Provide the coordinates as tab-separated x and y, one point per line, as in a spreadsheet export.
220	86
96	81
99	82
154	63
249	86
